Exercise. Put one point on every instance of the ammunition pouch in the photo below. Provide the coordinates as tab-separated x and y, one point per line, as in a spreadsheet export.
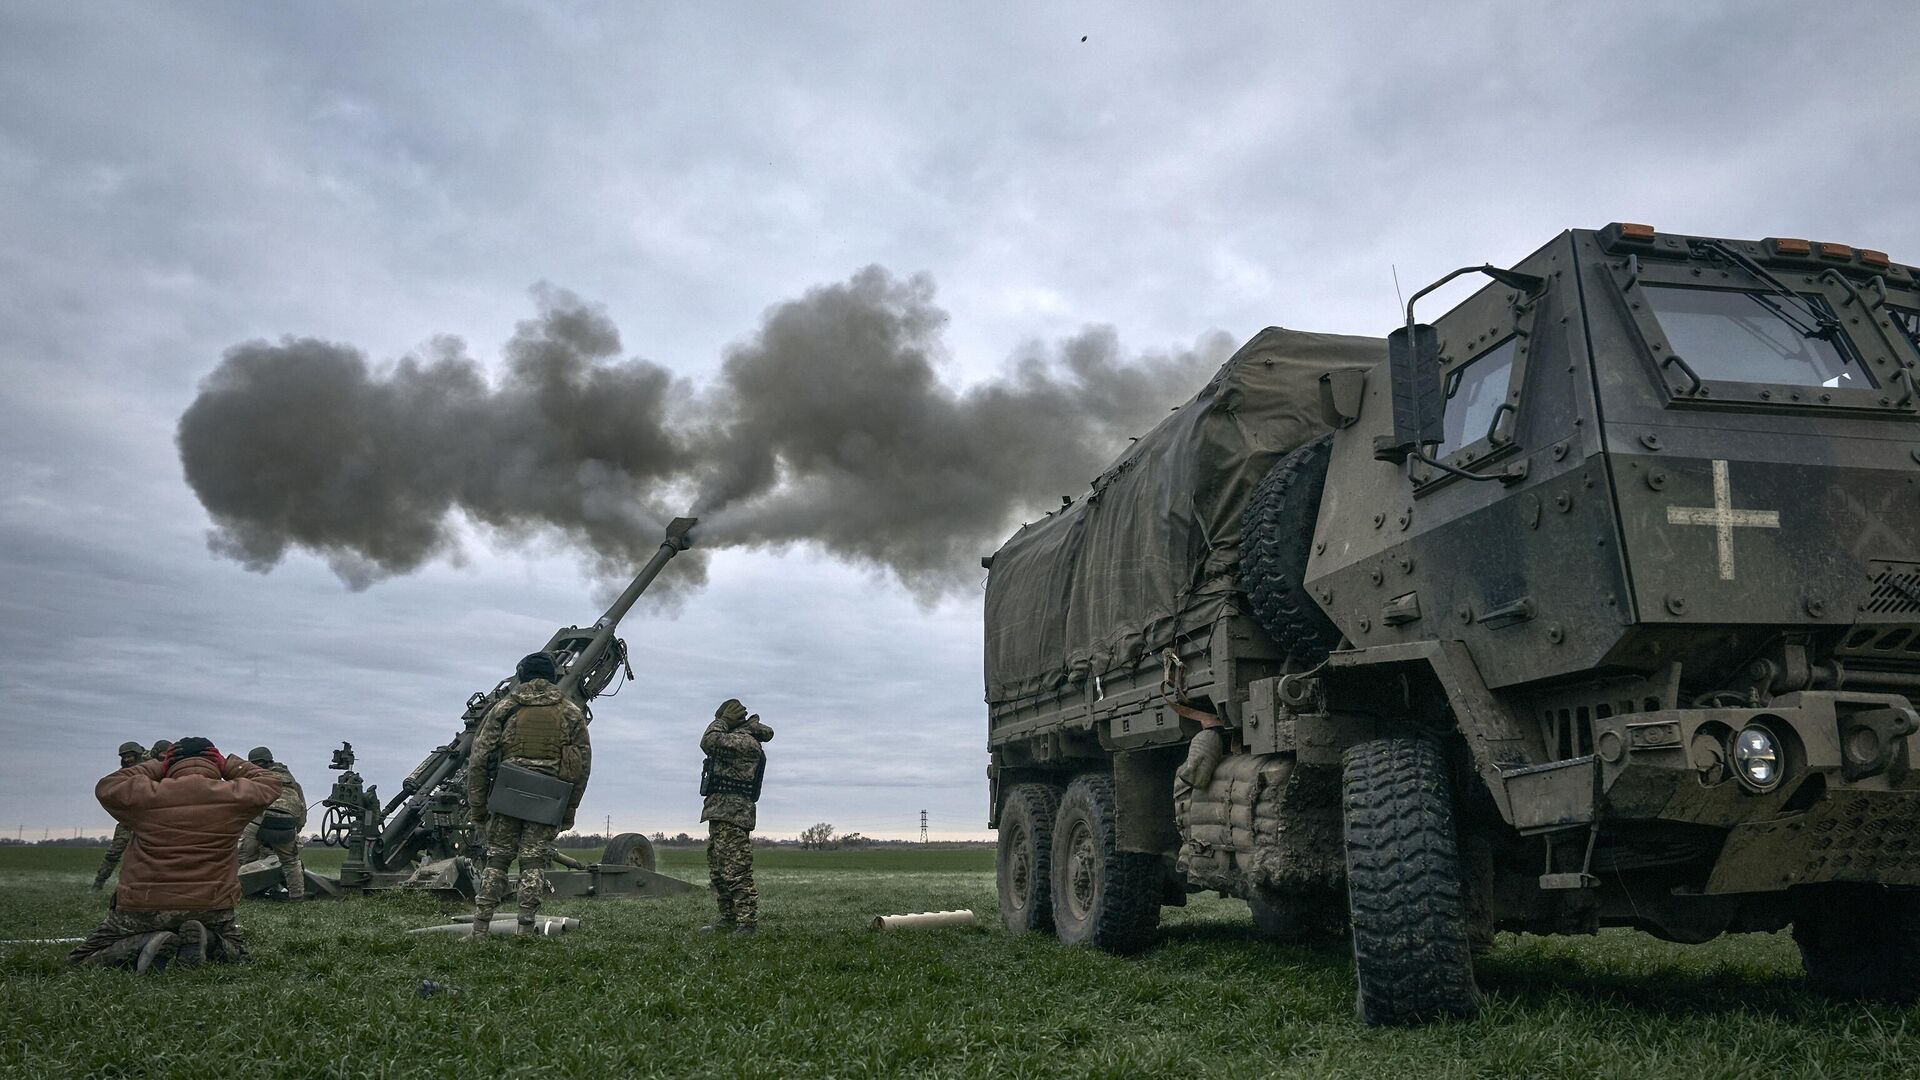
529	795
713	784
277	827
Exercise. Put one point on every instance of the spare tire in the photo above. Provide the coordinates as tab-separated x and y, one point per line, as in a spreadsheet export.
1276	538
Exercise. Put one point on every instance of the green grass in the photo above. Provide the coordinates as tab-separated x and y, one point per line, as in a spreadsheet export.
333	992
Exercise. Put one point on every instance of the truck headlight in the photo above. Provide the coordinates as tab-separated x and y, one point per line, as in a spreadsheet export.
1756	758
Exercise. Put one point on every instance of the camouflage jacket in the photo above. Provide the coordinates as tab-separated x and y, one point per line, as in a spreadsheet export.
573	764
292	800
735	749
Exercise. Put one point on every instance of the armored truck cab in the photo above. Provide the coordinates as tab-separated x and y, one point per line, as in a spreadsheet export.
1595	602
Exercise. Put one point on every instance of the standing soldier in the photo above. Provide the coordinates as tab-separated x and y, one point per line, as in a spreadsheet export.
131	754
731	782
160	748
277	829
530	757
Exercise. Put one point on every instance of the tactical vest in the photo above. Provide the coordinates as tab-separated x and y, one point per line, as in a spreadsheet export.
534	732
712	783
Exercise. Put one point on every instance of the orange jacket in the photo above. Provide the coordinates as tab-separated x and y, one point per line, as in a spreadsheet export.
186	828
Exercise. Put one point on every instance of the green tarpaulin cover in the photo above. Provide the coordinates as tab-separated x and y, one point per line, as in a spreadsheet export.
1151	552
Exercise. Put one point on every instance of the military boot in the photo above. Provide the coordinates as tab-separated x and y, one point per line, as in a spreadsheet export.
196	944
746	928
527	924
718	928
156	953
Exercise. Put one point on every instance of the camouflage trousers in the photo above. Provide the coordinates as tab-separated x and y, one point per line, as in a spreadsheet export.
121	837
291	870
509	839
118	941
730	867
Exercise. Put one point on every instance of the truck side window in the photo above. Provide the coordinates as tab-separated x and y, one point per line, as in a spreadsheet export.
1475	390
1733	336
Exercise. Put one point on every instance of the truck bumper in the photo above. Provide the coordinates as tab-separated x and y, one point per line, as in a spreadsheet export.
1845	807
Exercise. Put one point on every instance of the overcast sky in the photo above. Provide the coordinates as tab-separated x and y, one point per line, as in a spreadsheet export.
175	180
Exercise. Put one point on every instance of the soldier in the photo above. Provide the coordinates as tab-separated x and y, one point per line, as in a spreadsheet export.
160	748
731	782
131	754
181	880
278	829
534	727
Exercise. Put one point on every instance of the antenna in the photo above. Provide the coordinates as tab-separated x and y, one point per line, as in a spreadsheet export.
1396	288
923	826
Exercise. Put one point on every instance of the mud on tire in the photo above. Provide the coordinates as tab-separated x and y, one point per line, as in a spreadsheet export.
1405	897
1101	896
1022	865
1276	536
1859	941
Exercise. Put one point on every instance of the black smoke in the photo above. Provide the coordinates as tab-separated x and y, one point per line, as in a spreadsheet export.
830	426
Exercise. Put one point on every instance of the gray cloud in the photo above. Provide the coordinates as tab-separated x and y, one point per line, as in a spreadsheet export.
831	425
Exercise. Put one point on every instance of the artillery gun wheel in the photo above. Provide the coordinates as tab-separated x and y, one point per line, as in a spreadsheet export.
630	849
1022	870
1411	955
1101	895
1276	537
1860	941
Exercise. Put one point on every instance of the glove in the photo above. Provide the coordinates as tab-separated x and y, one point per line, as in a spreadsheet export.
99	883
478	815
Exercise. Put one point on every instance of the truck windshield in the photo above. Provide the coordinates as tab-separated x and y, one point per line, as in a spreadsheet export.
1737	336
1475	390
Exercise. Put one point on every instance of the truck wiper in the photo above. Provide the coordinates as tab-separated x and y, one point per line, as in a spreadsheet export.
1806	318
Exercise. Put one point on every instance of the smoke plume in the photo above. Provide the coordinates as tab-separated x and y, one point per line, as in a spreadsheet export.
829	426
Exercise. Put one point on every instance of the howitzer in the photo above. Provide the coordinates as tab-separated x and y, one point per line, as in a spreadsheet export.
423	837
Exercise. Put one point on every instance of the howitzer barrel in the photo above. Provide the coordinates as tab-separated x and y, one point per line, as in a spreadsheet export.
589	655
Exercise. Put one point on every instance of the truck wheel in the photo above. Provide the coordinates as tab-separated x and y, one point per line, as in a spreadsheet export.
1859	941
1411	955
629	849
1276	533
1021	869
1101	895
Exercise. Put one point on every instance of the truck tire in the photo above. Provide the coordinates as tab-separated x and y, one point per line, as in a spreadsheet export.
1022	871
1411	955
1276	538
1102	896
1859	941
630	849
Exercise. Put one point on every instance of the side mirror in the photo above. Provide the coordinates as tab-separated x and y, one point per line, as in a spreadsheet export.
1413	378
1341	393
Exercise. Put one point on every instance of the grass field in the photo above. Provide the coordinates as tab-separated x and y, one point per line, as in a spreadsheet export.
334	992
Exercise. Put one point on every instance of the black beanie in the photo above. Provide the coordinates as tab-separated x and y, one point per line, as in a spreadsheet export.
535	666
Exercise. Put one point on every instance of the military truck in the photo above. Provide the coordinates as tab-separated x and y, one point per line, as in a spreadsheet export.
1595	602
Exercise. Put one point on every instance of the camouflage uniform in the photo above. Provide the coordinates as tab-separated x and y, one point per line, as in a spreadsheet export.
552	739
131	754
118	941
291	803
732	743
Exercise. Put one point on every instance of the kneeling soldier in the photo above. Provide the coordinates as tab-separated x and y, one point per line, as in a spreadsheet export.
525	775
278	829
181	879
730	780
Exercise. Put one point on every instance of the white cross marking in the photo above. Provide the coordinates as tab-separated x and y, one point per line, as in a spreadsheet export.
1723	517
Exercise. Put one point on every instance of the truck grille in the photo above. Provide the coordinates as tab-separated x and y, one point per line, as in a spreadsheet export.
1896	591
